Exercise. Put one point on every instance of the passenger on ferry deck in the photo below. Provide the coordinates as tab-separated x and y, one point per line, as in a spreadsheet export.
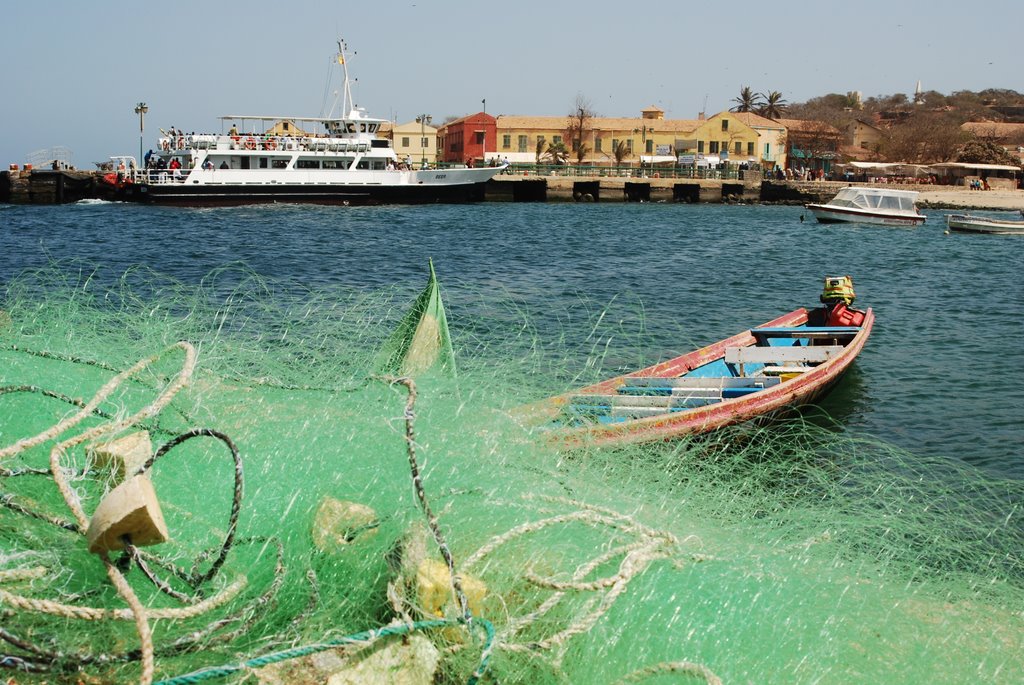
233	131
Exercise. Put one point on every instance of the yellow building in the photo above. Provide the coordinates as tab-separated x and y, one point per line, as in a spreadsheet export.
415	141
650	138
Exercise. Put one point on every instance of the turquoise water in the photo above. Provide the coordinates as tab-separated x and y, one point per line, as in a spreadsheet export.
938	377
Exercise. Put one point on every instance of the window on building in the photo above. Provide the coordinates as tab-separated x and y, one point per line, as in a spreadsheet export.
750	149
424	143
615	144
506	142
597	144
523	142
284	126
700	147
405	141
738	148
540	140
555	140
629	146
479	137
713	147
767	150
725	124
650	146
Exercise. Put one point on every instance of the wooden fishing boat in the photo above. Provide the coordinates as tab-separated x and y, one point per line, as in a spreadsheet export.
789	361
969	223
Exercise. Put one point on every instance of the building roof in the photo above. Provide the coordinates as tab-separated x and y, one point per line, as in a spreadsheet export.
512	121
809	126
756	120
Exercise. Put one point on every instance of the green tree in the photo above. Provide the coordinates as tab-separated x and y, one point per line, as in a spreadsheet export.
979	151
556	153
748	100
620	152
773	105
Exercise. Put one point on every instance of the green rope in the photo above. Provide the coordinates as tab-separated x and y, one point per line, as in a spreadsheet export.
364	637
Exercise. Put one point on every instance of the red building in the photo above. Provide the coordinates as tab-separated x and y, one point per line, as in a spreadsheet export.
472	138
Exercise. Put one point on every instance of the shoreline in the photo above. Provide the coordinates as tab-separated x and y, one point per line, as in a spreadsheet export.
1009	200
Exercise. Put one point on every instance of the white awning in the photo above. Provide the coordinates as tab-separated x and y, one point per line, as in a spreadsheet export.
657	159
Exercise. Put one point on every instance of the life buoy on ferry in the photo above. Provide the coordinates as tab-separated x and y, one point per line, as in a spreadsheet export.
271	144
250	144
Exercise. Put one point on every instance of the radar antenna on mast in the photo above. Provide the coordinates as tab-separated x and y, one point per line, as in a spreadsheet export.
347	105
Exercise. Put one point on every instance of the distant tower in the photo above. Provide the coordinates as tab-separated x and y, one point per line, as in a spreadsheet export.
918	95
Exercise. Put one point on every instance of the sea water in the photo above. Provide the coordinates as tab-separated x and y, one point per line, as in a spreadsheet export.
938	375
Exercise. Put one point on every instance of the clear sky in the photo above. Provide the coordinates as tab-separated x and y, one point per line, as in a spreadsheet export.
72	72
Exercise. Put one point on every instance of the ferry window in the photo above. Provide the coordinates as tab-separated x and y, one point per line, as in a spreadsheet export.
279	163
405	141
307	164
372	128
378	165
363	164
351	127
263	162
506	141
362	128
342	163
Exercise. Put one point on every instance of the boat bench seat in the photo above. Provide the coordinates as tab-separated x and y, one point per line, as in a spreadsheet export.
648	405
686	385
773	355
805	332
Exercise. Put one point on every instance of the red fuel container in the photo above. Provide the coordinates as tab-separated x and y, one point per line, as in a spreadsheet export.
844	316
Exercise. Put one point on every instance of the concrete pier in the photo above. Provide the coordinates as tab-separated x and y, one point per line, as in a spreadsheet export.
44	186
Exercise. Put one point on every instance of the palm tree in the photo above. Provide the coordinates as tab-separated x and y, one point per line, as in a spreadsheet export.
620	152
773	105
747	101
557	153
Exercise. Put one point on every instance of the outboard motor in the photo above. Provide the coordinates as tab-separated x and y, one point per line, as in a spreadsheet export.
837	297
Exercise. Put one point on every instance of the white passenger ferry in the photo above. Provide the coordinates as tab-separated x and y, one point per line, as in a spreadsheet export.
293	159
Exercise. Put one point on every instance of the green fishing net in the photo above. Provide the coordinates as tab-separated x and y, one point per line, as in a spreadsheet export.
314	501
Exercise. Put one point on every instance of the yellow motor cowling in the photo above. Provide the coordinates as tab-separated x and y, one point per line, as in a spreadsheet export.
838	289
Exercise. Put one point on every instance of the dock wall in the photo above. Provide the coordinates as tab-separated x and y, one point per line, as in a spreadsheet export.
39	186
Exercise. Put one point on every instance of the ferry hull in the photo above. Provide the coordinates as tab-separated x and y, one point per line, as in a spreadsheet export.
349	194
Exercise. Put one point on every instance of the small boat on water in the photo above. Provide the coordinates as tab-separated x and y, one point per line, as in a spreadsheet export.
969	223
784	363
318	160
870	206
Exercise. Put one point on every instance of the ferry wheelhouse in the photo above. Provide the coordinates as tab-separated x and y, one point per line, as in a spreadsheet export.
278	159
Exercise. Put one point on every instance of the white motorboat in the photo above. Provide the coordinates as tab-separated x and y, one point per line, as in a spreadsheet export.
870	206
969	223
283	159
